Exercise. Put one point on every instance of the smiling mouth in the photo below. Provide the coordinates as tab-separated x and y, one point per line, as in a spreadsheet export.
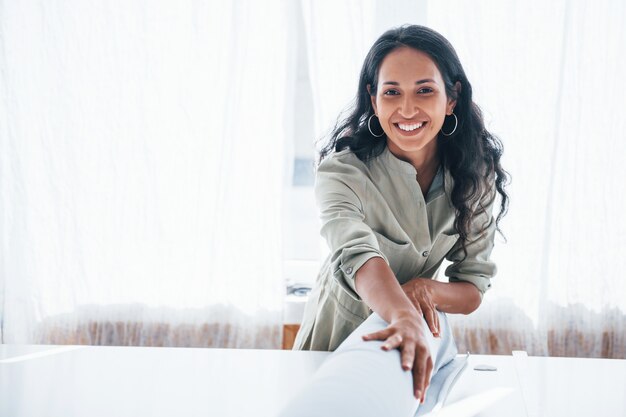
410	129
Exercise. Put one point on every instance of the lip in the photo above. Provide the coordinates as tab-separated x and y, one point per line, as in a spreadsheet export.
410	122
412	132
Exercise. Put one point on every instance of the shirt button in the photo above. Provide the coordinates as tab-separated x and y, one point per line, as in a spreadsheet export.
349	270
425	253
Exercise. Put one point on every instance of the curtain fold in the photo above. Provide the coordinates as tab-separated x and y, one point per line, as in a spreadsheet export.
141	172
338	36
548	78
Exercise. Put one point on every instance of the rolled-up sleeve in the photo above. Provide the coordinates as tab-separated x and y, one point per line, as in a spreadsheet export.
477	267
338	187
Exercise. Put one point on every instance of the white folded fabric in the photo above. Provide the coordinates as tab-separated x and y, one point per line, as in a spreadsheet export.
440	385
360	379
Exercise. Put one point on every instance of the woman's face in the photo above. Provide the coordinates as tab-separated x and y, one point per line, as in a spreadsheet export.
411	103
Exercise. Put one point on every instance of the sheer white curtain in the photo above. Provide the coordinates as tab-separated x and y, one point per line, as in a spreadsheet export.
339	34
142	156
549	77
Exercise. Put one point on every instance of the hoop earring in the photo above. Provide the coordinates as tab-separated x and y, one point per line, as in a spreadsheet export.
456	123
370	127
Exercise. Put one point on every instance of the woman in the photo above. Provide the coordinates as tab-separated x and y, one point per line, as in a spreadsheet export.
408	179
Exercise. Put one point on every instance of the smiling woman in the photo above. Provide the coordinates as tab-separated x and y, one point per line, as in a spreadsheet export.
407	180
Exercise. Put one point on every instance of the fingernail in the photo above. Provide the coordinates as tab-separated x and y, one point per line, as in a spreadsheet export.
418	394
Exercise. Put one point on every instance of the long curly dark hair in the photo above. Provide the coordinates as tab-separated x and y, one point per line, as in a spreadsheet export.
471	154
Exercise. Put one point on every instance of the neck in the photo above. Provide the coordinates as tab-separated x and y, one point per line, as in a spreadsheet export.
427	168
425	161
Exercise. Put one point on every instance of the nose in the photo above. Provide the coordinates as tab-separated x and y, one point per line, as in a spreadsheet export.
408	107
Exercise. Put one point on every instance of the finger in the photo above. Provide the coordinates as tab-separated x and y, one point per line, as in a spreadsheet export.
421	373
438	324
392	342
425	378
379	335
407	356
435	319
429	316
417	380
429	370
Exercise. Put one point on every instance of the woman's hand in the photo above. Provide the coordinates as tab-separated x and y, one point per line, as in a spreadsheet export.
406	333
420	292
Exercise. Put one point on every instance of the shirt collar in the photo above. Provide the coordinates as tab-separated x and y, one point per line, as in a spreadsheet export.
396	164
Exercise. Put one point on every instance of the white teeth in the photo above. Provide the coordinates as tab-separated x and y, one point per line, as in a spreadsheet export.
408	128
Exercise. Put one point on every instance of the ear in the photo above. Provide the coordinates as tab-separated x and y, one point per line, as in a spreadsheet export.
372	98
452	102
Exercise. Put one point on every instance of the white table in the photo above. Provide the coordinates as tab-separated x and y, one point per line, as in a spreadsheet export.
538	386
140	381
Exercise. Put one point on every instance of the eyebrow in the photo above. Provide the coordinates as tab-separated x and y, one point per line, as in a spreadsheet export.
425	80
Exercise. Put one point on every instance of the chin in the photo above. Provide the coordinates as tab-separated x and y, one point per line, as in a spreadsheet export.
411	145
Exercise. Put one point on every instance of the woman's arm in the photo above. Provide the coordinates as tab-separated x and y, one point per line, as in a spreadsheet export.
378	287
453	297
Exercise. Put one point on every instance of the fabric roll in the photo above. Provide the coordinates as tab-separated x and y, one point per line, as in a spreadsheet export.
361	379
440	385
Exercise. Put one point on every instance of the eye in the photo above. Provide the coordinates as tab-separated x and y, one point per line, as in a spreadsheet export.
390	93
425	90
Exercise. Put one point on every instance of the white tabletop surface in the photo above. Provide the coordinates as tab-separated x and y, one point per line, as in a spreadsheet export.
537	386
141	381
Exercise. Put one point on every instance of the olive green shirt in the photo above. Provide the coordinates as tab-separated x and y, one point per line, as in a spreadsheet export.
376	208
